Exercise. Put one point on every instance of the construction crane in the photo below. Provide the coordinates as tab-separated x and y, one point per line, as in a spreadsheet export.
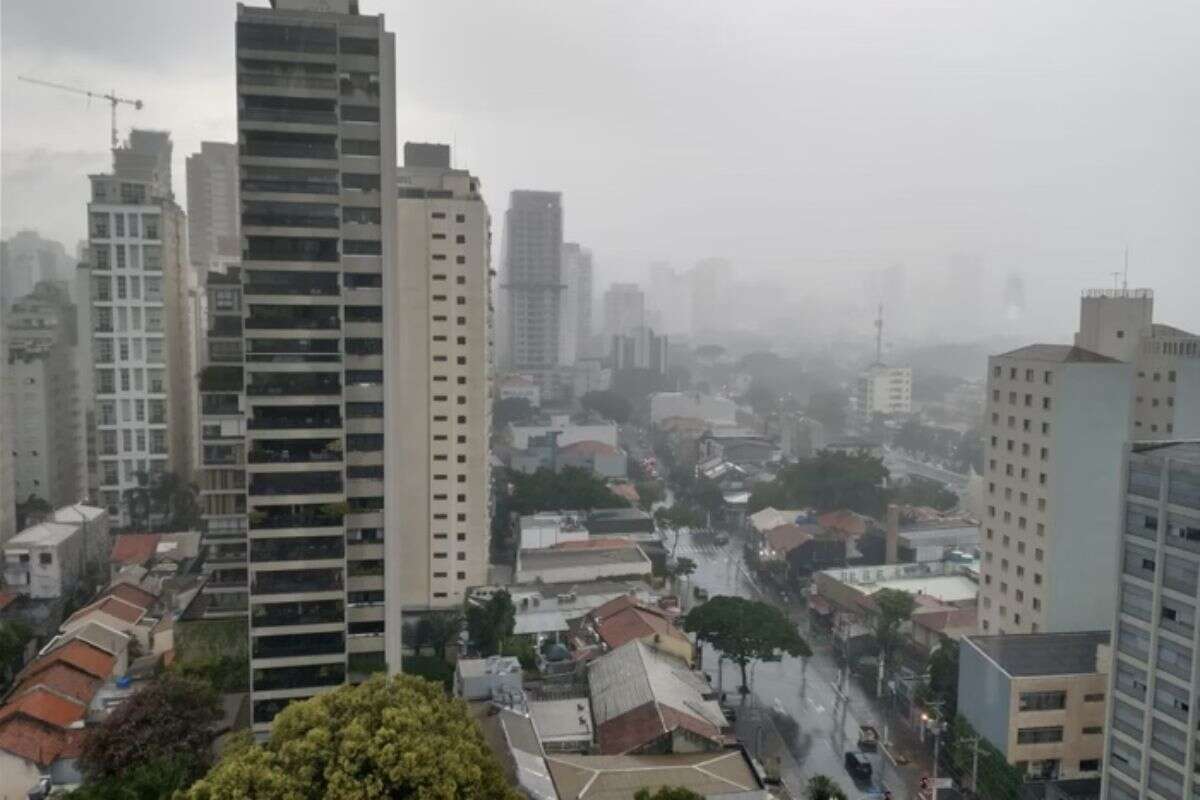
111	97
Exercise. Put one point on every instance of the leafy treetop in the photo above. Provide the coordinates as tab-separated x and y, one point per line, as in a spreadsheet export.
668	793
745	630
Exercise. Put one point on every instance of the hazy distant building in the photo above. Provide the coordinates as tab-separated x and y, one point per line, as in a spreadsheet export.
1119	323
1151	736
708	280
670	296
8	502
1056	422
531	289
640	348
40	358
26	260
575	340
212	205
439	307
883	390
142	348
624	309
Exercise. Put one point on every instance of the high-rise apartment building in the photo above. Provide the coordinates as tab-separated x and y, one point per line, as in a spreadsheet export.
883	390
624	309
49	450
1056	421
532	284
1152	746
640	349
437	314
8	500
26	260
212	206
317	133
708	280
141	341
1119	323
576	339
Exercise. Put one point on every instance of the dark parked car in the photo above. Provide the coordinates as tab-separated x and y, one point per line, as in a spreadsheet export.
858	765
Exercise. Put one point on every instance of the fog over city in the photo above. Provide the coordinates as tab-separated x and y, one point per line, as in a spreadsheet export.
973	166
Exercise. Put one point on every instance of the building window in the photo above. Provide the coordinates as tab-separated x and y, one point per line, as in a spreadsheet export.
1039	735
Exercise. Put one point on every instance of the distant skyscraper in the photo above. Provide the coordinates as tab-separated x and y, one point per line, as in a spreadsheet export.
708	279
40	358
1119	323
624	309
1056	423
212	205
26	260
576	326
670	296
532	286
142	349
1151	732
8	501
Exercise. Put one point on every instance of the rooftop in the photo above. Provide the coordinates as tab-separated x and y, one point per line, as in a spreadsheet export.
560	556
86	657
561	719
79	512
617	513
718	774
44	534
1032	654
1059	354
786	538
946	588
493	665
134	548
623	619
589	447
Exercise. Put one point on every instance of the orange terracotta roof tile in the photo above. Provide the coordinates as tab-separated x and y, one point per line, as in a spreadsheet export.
845	522
78	653
786	538
64	679
635	623
132	594
35	741
589	447
6	598
114	607
45	706
134	548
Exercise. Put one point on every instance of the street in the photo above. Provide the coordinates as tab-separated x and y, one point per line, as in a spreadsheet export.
795	711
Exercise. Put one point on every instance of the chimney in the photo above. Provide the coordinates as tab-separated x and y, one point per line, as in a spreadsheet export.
892	536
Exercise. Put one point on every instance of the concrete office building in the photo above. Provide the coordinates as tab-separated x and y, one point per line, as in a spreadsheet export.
640	348
26	260
212	205
883	390
1119	323
50	450
1057	419
438	315
1152	742
575	341
141	340
624	309
532	288
316	132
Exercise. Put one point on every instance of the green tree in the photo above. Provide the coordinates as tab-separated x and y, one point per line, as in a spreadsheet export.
678	516
893	607
30	510
917	491
707	495
385	739
225	673
489	625
14	636
166	500
152	780
943	676
171	719
997	778
569	488
822	787
649	493
668	793
509	410
745	630
827	482
684	567
609	405
437	630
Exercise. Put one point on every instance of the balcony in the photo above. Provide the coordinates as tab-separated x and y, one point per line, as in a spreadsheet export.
288	418
303	110
299	677
325	515
300	612
215	378
295	451
287	38
305	644
290	180
221	553
219	404
286	282
287	384
287	80
225	326
270	144
297	581
285	483
227	579
301	548
285	248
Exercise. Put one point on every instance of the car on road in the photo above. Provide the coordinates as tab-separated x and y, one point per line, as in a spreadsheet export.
858	765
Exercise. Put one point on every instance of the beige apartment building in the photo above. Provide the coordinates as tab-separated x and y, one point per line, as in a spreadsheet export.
1039	699
884	390
1056	422
438	324
1119	323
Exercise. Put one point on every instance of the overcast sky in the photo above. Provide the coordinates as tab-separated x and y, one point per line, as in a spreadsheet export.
801	139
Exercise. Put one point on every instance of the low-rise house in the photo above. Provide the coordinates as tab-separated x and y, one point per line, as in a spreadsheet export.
132	550
520	387
624	620
550	528
563	726
647	701
740	447
482	678
1039	699
46	561
714	411
768	518
95	525
726	773
582	561
931	625
622	523
568	431
601	459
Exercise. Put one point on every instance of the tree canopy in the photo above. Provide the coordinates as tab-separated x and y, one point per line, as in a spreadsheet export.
943	675
918	491
489	625
745	630
385	739
169	720
822	787
569	488
893	607
828	481
668	793
609	405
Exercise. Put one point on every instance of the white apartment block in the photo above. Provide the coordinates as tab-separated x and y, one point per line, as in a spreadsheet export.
576	339
46	561
624	309
884	390
532	288
141	344
437	322
1152	748
1119	323
212	204
1056	422
49	449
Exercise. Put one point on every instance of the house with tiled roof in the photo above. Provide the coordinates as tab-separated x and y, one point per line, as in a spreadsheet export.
624	619
647	701
130	549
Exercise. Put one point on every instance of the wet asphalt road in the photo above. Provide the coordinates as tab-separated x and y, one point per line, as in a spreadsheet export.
802	709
